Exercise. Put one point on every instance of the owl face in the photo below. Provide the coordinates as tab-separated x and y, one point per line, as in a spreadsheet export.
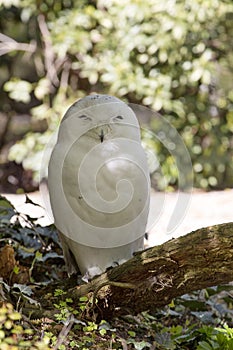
100	119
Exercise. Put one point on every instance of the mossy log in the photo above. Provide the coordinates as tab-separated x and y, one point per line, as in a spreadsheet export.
152	278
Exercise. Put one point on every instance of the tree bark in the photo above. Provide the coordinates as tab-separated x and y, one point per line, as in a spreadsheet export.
152	278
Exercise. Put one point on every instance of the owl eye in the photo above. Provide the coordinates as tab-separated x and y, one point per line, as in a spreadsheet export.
117	118
84	117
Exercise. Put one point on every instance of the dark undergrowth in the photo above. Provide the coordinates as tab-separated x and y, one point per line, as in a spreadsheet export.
31	258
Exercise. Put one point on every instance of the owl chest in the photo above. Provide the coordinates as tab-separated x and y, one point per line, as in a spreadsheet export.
105	179
98	170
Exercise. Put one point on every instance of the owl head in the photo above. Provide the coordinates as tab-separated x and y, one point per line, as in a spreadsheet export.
99	117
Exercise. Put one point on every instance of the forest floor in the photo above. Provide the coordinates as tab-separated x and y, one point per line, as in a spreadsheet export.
198	320
183	212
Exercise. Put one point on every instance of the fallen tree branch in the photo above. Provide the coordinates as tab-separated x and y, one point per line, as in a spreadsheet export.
154	277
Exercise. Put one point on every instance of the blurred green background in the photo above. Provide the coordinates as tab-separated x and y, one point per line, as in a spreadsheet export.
173	56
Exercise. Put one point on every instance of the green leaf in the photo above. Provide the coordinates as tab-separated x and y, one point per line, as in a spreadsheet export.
132	334
102	331
83	299
19	90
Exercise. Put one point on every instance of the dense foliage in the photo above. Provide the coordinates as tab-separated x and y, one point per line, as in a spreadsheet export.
173	56
30	259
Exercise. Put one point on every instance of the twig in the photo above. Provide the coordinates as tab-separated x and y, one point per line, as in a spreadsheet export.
112	284
8	44
65	75
49	53
64	332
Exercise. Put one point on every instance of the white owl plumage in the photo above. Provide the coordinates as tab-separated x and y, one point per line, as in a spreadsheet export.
99	185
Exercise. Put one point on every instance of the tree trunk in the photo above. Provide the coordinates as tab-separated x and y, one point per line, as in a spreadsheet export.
154	277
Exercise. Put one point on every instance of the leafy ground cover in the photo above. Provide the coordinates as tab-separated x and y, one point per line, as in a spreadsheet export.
31	258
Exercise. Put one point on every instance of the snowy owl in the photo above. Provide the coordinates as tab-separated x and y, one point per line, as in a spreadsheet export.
99	185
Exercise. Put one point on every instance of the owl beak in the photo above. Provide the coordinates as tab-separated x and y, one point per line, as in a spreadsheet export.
101	135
